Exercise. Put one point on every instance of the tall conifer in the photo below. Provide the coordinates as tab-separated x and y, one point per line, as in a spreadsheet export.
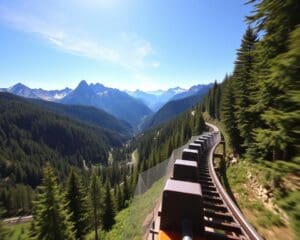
51	220
109	209
126	191
78	204
244	80
228	114
96	200
119	198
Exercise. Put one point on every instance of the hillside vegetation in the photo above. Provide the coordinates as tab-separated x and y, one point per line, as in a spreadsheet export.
174	108
91	115
156	145
30	137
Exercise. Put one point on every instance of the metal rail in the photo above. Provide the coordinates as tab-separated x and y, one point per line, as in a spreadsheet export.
246	228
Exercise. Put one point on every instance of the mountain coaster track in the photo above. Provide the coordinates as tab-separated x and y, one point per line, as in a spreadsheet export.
194	204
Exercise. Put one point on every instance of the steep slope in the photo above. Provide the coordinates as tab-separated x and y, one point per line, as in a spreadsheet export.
30	137
174	108
90	115
114	101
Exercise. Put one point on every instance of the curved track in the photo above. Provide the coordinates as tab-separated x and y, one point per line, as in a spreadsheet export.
220	212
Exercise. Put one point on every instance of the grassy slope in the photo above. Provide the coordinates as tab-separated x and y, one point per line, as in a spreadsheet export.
18	231
269	224
129	220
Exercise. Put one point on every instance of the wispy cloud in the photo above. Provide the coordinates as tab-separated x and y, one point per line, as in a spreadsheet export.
129	51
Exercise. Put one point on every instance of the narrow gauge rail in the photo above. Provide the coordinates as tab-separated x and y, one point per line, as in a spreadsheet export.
194	203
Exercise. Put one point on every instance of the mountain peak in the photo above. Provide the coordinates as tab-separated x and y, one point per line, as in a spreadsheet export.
18	86
176	90
98	88
66	89
82	83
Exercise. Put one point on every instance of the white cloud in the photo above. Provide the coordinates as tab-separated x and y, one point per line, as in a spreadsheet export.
129	50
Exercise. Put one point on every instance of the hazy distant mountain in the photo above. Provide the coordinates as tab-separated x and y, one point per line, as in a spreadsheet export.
114	101
175	107
24	91
192	91
156	99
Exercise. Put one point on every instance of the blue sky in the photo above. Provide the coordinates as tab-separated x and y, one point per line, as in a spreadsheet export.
126	44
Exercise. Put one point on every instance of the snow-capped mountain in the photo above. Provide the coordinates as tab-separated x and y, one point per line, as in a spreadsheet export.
156	99
192	91
113	101
24	91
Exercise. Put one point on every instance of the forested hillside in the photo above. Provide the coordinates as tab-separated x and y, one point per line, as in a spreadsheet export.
174	108
157	144
88	114
258	104
30	137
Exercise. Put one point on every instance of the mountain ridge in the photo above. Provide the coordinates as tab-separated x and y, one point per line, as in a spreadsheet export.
22	90
175	107
133	107
111	100
155	100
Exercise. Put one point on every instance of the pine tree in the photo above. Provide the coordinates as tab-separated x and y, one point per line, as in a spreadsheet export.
228	114
96	201
126	192
135	176
200	123
119	198
282	133
217	102
187	132
277	19
78	204
51	220
243	80
213	103
109	210
170	148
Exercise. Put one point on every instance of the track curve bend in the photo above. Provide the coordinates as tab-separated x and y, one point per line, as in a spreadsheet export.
246	229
